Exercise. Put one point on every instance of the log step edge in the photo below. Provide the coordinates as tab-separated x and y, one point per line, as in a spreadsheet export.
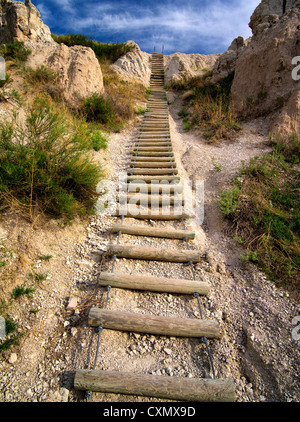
173	388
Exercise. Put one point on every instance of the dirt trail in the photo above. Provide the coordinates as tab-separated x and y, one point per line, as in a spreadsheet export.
256	350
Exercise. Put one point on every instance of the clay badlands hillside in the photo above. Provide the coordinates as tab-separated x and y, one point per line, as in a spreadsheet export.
49	266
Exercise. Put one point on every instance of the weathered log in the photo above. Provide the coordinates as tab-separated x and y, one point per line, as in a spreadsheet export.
153	153
152	324
153	254
150	200
172	388
153	284
154	149
153	232
153	164
143	215
147	184
152	171
151	159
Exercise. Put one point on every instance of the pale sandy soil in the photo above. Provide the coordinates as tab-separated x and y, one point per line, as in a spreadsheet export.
256	349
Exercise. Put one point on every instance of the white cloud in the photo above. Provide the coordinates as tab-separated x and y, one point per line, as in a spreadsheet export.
178	24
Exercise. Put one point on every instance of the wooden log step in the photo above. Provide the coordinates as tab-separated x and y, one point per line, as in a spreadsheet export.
142	215
146	200
154	254
150	159
156	386
150	187
153	232
153	143
151	324
153	284
156	129
143	164
152	171
165	180
156	126
153	154
154	149
159	141
151	135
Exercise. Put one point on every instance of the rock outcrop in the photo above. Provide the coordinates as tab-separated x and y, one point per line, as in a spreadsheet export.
180	64
263	81
22	22
78	69
135	64
268	12
226	62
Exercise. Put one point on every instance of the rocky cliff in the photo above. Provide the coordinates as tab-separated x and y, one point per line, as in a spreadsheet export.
22	22
79	70
263	82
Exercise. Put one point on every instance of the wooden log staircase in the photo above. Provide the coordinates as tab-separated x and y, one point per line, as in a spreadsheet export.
153	173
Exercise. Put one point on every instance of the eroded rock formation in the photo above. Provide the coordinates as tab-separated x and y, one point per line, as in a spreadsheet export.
263	81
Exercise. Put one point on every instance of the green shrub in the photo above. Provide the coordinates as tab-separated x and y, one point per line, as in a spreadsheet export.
44	164
229	201
15	51
99	141
41	74
22	290
97	109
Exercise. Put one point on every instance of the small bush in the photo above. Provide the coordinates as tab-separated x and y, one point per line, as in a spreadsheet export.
15	51
22	290
99	141
97	109
229	201
44	165
44	80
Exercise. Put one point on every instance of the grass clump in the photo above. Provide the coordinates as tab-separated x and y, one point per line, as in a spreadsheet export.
207	106
44	80
45	165
15	51
22	290
10	333
263	208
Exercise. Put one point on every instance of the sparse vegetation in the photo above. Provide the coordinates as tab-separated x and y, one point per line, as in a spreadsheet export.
15	52
118	106
207	106
22	290
104	52
12	337
97	109
44	80
263	209
45	165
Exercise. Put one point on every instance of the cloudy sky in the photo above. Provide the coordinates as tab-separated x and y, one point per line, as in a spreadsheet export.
187	26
